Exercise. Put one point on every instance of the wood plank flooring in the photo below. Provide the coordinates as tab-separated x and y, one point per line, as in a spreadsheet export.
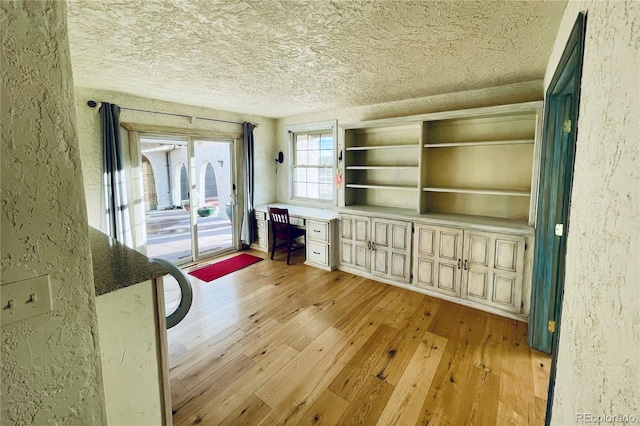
273	344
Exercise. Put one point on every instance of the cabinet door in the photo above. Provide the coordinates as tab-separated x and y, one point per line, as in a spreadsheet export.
493	269
391	248
354	240
437	257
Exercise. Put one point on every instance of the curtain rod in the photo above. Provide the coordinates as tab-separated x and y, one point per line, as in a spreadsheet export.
93	104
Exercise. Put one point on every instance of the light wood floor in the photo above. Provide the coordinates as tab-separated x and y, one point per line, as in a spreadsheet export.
293	345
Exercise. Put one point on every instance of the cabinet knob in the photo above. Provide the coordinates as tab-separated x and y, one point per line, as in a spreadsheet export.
459	263
465	264
369	245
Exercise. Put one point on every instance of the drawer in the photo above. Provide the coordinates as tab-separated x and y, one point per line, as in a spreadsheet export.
262	238
318	231
296	221
318	253
260	215
261	224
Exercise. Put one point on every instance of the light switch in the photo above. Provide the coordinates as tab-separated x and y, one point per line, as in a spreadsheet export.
25	299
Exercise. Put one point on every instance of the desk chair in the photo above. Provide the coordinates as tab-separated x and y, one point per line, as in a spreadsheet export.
282	230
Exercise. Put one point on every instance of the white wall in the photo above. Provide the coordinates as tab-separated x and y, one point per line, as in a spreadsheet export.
127	322
514	93
599	350
91	145
50	363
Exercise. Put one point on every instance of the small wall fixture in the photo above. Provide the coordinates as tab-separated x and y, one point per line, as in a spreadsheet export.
279	159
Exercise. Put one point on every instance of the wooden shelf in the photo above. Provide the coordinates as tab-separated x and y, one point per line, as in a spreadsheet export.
487	165
393	187
367	148
480	191
458	144
382	167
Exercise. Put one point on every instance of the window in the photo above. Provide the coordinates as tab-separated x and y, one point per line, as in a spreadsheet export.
313	161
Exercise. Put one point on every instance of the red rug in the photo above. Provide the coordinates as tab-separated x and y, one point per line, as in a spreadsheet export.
220	269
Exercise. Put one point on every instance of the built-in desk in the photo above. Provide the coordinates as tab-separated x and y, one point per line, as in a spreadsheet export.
321	232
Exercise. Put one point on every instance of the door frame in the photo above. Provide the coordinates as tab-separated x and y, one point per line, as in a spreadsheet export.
562	100
235	234
135	156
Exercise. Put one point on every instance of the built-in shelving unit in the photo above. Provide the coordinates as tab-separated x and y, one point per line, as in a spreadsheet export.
478	162
382	165
455	188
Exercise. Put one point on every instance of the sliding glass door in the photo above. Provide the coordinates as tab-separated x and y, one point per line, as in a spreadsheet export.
189	197
213	198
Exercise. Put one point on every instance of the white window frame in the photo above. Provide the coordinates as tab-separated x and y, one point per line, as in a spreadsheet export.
291	131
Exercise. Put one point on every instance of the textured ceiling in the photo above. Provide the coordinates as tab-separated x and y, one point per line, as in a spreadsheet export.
279	58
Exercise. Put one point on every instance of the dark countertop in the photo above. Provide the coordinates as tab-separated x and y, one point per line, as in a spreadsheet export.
116	266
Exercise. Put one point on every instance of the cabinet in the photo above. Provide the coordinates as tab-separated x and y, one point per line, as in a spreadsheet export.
438	259
262	243
355	243
378	246
133	366
482	267
318	241
477	162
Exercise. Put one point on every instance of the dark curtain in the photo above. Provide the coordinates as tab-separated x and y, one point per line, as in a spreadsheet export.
116	212
249	231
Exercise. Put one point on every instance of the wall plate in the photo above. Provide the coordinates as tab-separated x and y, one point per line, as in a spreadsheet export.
25	299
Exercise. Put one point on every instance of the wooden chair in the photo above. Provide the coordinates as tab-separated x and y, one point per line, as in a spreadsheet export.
282	230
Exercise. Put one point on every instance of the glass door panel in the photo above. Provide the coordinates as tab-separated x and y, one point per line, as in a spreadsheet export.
212	197
166	197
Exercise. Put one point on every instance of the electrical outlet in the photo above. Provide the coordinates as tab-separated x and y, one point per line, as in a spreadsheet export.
25	299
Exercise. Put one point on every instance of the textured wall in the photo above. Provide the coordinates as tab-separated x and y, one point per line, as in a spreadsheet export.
50	364
91	148
599	352
514	93
130	355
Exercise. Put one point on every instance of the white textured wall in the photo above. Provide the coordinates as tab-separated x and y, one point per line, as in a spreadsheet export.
599	352
50	364
91	145
127	323
514	93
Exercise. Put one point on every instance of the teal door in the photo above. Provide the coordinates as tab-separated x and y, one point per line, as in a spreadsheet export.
560	129
556	176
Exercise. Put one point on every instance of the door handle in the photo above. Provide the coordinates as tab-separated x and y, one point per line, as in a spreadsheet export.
459	263
369	245
373	246
465	264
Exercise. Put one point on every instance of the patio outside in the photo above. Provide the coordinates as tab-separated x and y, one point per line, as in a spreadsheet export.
169	234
